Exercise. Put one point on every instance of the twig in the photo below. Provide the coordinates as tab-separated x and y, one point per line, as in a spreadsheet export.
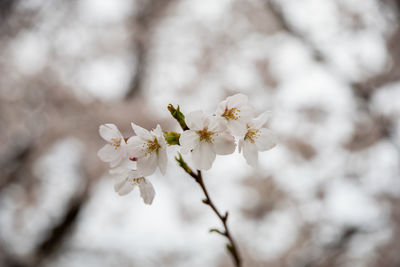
232	247
198	177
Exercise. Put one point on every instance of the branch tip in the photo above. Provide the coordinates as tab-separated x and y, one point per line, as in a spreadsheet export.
178	116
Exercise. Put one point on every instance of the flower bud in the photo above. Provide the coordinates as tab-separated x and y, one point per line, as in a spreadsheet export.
178	116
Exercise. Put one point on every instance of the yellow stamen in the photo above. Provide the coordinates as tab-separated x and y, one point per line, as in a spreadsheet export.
231	114
116	143
151	146
252	134
206	135
135	181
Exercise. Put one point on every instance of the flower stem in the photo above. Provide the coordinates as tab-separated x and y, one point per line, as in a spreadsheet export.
232	247
198	177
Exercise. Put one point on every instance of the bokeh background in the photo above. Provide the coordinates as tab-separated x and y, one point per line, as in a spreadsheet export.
327	195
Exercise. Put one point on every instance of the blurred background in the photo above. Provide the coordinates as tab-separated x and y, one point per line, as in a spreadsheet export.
327	195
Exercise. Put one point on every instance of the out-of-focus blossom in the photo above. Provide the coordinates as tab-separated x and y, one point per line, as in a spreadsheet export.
235	112
125	183
115	151
257	138
206	138
149	150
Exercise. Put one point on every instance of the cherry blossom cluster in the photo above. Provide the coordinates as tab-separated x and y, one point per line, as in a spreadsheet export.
204	136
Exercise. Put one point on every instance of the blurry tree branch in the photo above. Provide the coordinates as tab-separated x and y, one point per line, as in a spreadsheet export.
331	255
383	127
150	12
56	234
372	127
61	230
6	9
14	163
277	11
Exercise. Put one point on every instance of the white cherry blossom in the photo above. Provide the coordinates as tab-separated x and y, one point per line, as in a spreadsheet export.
125	166
148	148
126	182
236	112
257	138
206	138
115	151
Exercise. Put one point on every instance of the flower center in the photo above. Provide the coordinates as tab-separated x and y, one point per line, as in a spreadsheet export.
205	135
252	134
135	181
231	114
116	143
152	146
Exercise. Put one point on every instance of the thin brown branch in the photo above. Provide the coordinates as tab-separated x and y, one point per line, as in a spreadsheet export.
198	177
232	247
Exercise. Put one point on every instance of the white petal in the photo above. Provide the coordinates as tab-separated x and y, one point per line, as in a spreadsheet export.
261	120
250	153
126	166
188	141
115	162
221	108
126	189
117	170
237	100
119	182
123	187
135	146
266	140
108	153
141	132
157	131
161	141
224	143
238	127
146	191
203	156
162	160
246	114
194	120
147	165
109	132
216	124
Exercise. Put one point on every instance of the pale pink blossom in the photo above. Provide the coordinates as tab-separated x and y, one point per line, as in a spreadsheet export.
257	138
235	111
206	138
148	148
115	151
126	182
